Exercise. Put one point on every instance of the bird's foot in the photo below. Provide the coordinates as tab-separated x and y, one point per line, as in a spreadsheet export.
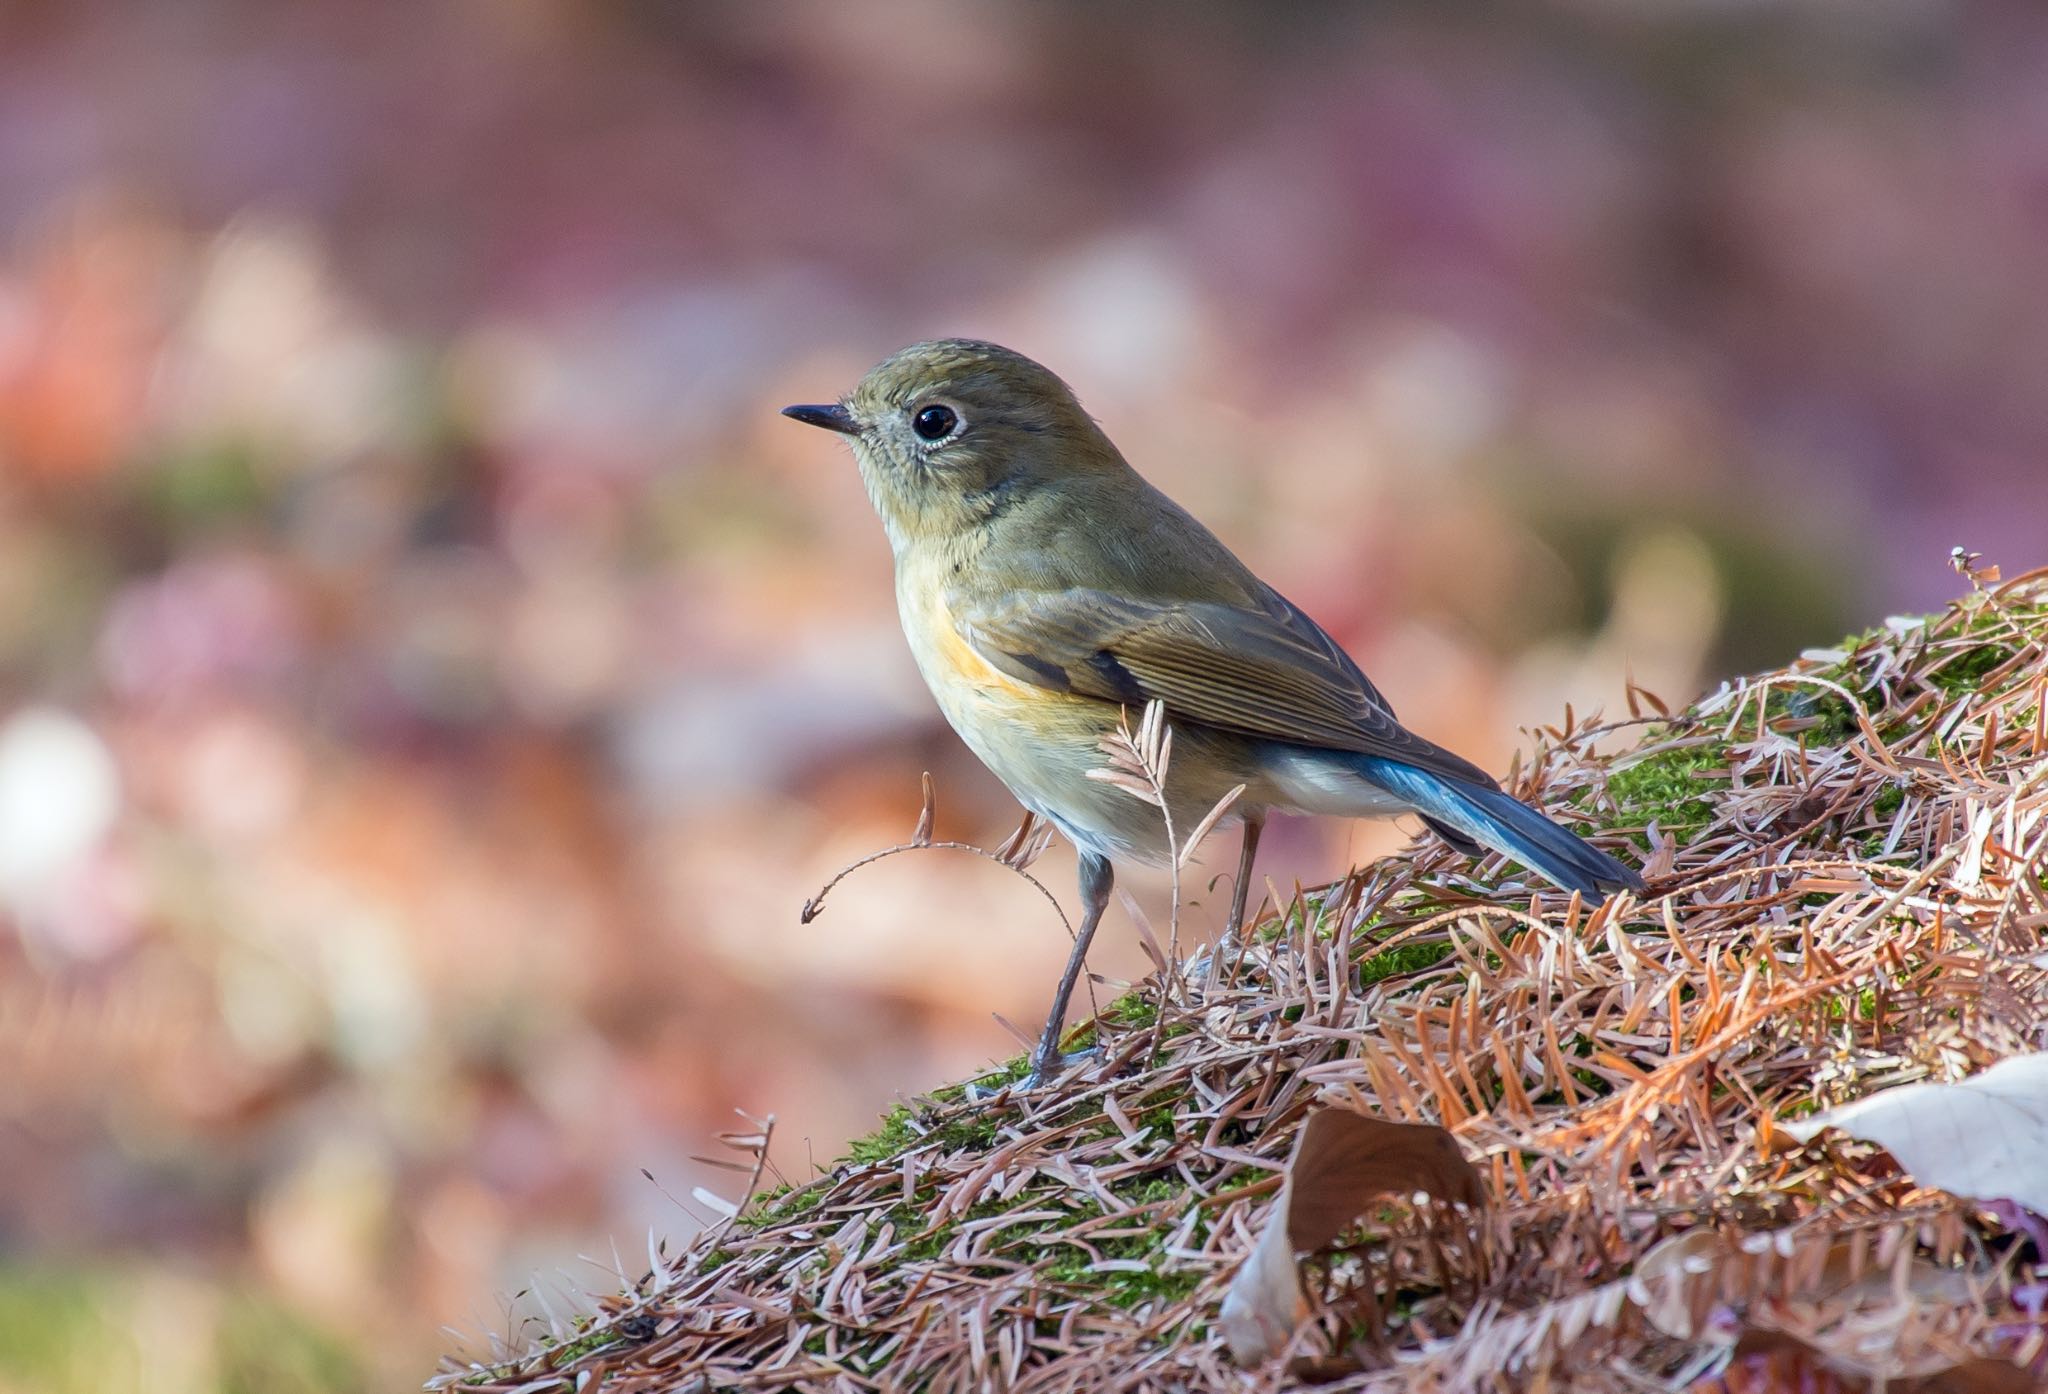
1218	960
1045	1071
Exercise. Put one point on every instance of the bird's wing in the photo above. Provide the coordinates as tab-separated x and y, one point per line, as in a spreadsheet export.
1264	670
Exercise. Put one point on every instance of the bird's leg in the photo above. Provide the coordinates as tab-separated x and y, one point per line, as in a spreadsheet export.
1096	877
1234	926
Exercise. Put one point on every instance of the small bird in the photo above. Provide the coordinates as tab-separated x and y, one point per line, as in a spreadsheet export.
1047	590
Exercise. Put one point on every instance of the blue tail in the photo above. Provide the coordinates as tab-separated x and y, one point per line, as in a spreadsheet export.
1505	824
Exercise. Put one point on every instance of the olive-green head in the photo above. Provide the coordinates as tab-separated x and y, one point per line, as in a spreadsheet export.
952	431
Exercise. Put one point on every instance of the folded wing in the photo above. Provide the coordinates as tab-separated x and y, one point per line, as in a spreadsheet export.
1265	671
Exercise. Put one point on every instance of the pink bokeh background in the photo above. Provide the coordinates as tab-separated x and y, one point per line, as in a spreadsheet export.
432	677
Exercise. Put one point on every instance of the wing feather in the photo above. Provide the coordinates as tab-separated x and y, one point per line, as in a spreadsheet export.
1265	670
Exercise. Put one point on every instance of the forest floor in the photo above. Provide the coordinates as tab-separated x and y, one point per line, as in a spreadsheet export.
1846	861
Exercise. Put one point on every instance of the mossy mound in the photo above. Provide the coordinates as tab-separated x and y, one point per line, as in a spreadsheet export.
1845	890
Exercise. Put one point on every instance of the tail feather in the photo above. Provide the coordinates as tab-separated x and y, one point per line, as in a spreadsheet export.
1498	820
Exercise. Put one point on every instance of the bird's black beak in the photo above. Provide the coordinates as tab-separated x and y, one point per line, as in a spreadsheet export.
832	418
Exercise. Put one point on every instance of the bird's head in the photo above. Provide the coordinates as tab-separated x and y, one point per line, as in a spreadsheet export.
950	432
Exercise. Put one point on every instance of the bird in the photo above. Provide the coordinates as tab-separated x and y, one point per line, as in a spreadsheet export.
1048	592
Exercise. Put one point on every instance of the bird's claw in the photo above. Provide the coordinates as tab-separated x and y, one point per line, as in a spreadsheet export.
1044	1072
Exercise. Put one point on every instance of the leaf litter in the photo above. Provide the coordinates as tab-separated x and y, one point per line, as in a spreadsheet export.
1849	894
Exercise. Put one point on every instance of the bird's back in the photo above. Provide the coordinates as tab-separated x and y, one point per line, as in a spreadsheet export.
1110	531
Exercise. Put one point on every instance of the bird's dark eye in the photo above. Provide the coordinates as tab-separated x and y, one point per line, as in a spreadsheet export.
935	423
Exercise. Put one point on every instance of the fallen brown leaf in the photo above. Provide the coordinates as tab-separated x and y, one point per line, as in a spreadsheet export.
1342	1162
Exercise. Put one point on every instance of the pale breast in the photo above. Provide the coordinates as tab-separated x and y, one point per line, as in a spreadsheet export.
963	681
1015	727
1042	743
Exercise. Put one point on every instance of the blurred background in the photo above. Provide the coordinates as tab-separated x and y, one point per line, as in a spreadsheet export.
432	677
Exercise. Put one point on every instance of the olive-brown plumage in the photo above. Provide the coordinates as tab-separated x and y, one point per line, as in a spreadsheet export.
1046	589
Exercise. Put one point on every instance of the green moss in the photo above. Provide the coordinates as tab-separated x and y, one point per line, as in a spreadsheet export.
925	1244
1009	1072
1839	722
1403	958
782	1203
1121	1288
1149	1190
771	1197
1069	1263
1668	787
1131	1012
1966	671
1160	1120
561	1353
905	1129
1287	923
1132	1009
1888	802
897	1135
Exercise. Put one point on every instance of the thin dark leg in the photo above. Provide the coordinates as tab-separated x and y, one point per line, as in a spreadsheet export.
1095	883
1249	849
